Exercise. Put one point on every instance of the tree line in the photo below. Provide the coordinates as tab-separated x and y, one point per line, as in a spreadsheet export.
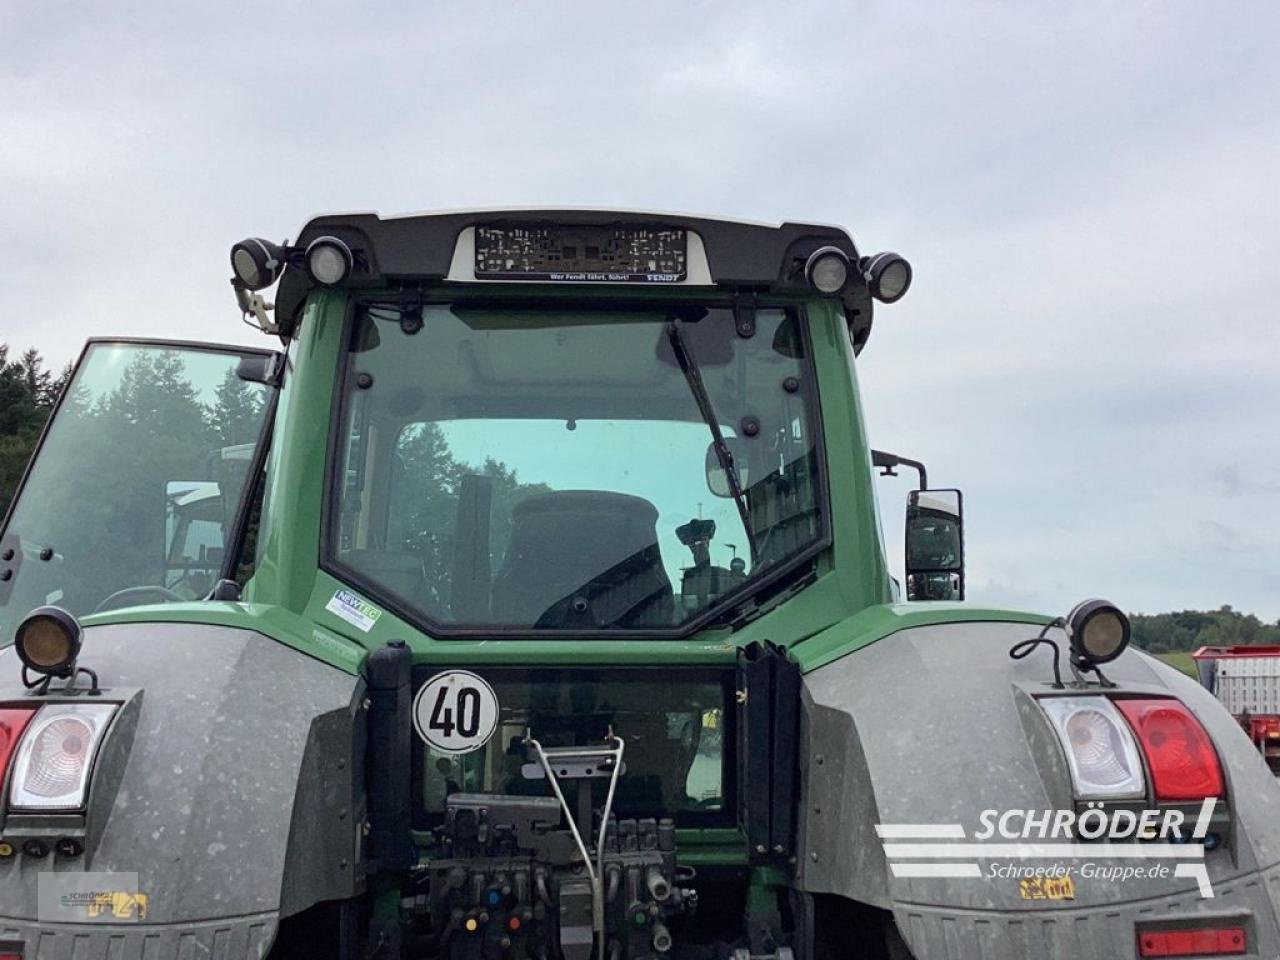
1190	629
28	391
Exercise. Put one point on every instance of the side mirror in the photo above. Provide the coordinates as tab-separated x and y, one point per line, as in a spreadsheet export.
717	482
935	545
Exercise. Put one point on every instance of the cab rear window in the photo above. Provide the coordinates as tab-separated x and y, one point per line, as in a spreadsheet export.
679	736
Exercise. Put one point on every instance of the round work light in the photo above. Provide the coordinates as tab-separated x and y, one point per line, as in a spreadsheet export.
888	276
48	641
328	261
256	263
827	269
1099	631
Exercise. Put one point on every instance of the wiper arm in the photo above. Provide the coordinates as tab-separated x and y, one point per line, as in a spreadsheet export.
689	367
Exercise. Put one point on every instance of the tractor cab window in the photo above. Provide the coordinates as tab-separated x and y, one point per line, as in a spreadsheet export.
677	731
132	494
524	470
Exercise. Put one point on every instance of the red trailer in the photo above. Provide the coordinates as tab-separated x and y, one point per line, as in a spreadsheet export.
1247	681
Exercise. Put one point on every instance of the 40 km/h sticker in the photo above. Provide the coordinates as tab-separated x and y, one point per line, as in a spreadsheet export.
456	712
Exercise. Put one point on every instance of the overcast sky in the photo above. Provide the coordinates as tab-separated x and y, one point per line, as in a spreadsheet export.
1089	193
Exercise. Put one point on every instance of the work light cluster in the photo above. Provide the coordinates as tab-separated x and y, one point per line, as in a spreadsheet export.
47	750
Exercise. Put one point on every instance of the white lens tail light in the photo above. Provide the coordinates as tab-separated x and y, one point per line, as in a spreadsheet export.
53	764
1101	751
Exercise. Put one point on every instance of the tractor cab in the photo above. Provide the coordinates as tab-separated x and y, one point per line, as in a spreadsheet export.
559	486
523	596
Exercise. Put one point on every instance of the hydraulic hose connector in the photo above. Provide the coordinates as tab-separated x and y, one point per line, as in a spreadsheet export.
657	884
662	941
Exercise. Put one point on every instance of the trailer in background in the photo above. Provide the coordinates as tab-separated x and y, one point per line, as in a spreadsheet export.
1246	679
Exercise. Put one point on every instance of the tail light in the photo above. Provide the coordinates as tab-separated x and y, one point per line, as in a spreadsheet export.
56	756
1100	748
1183	763
13	720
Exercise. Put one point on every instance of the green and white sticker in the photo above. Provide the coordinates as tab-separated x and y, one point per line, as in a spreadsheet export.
359	613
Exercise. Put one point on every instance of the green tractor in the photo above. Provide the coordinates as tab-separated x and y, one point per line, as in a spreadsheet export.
530	602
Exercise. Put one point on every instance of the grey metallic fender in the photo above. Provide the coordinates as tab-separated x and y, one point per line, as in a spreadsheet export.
235	798
936	724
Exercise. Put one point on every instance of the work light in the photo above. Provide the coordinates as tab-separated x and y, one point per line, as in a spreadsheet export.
256	263
1098	631
48	641
827	269
328	261
888	276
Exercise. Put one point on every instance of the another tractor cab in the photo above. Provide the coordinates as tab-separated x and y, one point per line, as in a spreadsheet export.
526	599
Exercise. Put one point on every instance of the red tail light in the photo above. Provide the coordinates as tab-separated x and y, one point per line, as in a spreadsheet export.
1219	942
1184	765
13	720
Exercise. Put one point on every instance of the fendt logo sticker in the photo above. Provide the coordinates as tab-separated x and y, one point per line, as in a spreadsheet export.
1049	851
456	712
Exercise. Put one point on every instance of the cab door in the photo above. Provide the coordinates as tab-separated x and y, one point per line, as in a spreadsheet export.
141	426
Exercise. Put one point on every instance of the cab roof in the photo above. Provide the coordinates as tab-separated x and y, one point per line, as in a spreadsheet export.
420	248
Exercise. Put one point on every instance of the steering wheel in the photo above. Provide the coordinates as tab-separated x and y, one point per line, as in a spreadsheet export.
136	596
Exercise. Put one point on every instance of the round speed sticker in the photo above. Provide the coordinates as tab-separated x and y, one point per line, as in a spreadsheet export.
456	712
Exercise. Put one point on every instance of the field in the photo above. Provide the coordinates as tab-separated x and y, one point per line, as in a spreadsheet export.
1182	661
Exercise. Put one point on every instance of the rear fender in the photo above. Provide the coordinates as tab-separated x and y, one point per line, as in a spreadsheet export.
235	790
936	724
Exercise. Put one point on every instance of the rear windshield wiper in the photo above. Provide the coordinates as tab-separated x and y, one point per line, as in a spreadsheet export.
689	367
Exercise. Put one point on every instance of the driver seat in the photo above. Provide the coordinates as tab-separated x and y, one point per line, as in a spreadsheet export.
578	559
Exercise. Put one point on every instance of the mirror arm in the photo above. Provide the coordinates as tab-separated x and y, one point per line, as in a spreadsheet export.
888	462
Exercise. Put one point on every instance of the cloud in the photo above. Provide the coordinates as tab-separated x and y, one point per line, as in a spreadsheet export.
1086	192
1231	482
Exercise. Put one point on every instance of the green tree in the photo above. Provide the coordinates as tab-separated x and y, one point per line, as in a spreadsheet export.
1190	629
425	491
27	393
236	414
36	380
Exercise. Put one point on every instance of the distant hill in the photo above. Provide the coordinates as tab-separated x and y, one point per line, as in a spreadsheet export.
1189	629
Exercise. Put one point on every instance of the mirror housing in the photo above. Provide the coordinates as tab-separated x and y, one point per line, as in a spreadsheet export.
935	545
